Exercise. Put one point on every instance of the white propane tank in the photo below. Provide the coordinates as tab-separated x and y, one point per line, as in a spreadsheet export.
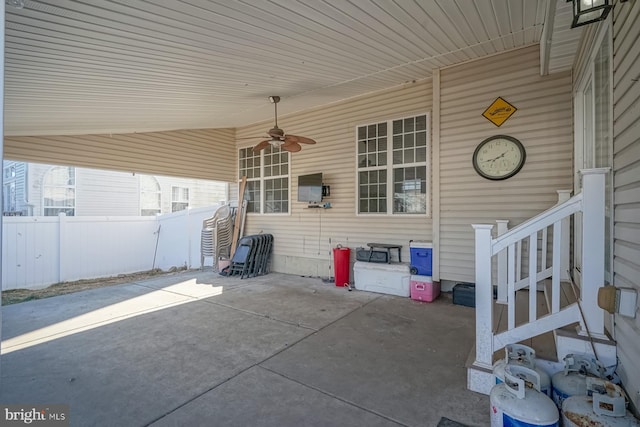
519	354
573	380
606	407
518	401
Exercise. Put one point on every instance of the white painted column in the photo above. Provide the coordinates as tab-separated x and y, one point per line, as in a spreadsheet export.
593	223
502	264
435	173
484	297
565	239
2	6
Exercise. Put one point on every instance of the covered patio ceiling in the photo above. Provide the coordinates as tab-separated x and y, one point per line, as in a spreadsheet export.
96	66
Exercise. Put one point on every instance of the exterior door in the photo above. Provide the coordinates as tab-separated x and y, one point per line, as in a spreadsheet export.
594	141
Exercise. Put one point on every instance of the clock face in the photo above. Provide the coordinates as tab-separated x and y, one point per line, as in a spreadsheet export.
499	157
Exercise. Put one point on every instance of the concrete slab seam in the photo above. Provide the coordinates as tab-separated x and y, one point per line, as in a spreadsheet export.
264	316
333	396
257	364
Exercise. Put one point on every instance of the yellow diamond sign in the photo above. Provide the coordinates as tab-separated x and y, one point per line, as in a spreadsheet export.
499	111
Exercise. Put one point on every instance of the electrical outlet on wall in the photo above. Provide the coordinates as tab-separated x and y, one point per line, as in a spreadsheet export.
628	302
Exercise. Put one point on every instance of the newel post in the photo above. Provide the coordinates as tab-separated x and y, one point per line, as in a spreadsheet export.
484	297
593	223
502	264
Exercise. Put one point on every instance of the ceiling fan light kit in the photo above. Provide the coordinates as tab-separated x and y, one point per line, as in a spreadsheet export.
279	139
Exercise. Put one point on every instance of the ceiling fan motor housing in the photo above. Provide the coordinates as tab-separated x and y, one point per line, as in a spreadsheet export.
276	132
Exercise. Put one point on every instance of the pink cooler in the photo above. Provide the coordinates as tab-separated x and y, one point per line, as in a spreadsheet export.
423	288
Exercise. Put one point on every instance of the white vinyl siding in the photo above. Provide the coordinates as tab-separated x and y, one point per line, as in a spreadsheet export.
543	123
197	153
111	193
305	238
626	181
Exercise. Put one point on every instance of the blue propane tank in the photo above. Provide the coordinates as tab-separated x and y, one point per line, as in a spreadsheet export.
606	406
519	354
573	380
518	401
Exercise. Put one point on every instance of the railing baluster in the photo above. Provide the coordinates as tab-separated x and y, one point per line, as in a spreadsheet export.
533	283
511	286
565	237
502	265
519	260
556	264
543	253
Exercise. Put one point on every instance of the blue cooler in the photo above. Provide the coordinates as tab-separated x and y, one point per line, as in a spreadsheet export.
421	257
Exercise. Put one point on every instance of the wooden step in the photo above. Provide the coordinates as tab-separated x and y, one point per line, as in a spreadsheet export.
544	344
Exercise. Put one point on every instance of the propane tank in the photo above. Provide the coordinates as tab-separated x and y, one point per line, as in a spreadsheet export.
606	407
573	380
518	400
519	354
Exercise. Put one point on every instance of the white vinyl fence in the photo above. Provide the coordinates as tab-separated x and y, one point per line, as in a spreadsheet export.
40	251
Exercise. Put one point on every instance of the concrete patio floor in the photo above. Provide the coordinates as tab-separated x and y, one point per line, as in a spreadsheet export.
195	348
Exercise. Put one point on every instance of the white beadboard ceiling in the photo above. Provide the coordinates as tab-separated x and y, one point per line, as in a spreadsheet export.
98	66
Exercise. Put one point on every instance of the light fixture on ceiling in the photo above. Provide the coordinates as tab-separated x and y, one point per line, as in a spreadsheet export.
589	11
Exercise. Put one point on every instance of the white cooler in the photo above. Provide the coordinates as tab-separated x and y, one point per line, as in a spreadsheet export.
392	279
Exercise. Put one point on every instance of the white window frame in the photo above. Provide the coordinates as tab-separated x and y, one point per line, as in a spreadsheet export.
157	192
390	169
181	192
67	186
261	179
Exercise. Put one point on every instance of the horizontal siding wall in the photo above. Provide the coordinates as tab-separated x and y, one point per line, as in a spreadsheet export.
198	153
626	179
100	192
542	122
304	238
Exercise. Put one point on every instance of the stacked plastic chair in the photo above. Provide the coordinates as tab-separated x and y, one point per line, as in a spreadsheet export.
252	256
216	236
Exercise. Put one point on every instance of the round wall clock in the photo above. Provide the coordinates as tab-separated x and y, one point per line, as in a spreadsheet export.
499	157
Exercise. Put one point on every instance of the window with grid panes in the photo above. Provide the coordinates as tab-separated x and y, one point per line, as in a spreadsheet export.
59	191
179	199
392	166
267	175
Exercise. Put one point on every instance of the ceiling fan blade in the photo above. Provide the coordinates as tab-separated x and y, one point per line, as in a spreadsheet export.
301	139
292	147
262	145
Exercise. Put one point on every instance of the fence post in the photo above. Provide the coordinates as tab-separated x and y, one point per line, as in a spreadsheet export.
565	238
63	247
502	264
593	205
484	297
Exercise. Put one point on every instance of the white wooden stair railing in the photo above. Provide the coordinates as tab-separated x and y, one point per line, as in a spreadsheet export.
506	249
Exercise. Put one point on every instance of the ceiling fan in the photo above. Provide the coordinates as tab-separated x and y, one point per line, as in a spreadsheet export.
286	142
